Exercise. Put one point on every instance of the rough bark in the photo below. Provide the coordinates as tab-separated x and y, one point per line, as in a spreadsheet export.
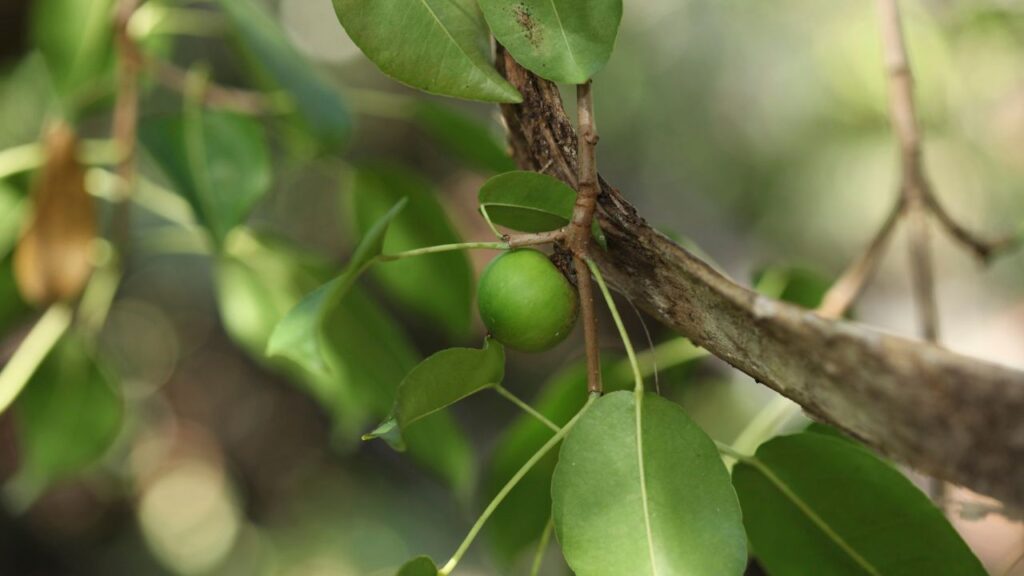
948	415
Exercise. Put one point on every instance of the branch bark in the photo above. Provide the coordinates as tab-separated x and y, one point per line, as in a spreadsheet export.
945	414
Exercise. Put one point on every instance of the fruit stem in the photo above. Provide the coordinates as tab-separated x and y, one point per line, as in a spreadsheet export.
475	530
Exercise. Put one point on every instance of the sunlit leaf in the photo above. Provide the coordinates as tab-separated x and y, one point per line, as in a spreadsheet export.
442	380
66	418
319	105
76	40
437	286
530	202
298	335
642	490
437	46
562	40
53	259
468	139
814	504
218	161
419	566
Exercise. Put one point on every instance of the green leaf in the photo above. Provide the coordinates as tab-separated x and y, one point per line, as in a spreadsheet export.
76	40
562	40
437	286
298	335
439	46
530	202
320	107
12	211
813	504
26	97
466	138
12	307
640	489
800	286
258	280
419	566
442	380
520	519
369	354
66	418
218	161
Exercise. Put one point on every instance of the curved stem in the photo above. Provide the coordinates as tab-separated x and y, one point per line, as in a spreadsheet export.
451	564
525	407
443	248
542	547
21	159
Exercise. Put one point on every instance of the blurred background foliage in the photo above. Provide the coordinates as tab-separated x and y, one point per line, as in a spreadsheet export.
757	131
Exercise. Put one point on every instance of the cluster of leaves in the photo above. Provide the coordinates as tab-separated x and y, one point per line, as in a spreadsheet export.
635	485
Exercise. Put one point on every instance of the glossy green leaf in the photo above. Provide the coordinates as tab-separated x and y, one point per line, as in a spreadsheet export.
520	519
813	504
218	161
320	107
75	38
530	202
437	286
641	489
442	380
66	418
298	335
561	40
419	566
439	46
470	140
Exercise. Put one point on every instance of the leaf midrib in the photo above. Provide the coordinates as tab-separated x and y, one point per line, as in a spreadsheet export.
639	398
565	37
817	520
448	33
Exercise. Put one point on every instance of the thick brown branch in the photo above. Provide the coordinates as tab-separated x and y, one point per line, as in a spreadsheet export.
946	414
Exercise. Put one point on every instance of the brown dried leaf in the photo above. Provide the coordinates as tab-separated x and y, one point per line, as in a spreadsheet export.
53	260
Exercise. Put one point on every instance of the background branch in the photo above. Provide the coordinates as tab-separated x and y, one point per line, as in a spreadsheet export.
945	414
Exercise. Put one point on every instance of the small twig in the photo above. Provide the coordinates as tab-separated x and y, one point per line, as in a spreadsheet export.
537	239
579	229
508	395
985	249
851	284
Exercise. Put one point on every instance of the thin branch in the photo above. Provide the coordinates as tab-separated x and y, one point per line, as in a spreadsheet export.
579	229
945	414
851	284
535	239
985	249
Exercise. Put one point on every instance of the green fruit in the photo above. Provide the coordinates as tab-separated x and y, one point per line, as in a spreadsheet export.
525	301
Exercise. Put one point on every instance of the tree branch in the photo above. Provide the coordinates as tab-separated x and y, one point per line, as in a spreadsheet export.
948	415
579	229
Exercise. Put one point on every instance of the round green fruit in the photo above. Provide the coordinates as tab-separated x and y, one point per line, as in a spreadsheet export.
525	301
